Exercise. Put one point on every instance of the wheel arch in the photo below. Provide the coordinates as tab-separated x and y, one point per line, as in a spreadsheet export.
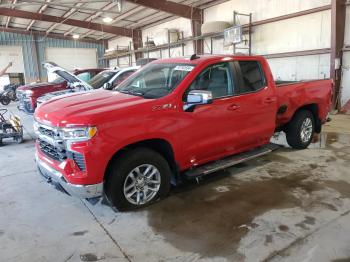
161	146
313	108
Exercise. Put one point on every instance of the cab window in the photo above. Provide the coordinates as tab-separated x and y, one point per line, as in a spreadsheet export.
217	79
252	76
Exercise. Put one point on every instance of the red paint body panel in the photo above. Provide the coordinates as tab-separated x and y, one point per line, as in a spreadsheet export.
227	126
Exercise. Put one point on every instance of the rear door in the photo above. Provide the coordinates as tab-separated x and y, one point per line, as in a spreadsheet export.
256	103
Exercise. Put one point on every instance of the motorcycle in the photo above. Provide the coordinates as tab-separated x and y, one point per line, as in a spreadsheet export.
10	128
10	91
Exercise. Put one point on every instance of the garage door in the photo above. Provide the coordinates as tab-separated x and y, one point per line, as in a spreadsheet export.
10	54
72	58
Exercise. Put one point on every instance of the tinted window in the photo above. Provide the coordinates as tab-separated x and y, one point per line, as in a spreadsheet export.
98	80
216	79
252	76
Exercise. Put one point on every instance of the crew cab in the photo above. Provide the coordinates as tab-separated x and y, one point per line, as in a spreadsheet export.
173	119
107	79
28	94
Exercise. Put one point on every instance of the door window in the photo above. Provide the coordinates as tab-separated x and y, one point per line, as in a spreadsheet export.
217	79
252	76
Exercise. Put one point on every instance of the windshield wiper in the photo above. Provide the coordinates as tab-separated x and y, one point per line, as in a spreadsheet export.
130	92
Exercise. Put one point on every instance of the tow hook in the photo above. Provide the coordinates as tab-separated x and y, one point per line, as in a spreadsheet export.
49	180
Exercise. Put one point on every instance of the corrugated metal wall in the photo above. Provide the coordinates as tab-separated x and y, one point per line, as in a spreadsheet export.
34	51
29	53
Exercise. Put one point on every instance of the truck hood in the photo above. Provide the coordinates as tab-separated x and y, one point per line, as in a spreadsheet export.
35	85
71	79
51	95
87	108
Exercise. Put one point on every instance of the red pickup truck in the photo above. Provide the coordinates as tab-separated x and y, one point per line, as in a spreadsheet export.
28	94
173	119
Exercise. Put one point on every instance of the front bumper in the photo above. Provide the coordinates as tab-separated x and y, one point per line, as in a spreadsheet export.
55	177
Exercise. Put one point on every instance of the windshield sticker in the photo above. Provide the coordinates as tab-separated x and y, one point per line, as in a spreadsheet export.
184	68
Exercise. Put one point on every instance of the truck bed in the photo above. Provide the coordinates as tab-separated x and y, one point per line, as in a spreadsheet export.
292	95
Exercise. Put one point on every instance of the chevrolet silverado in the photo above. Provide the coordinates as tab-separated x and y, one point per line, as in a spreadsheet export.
173	119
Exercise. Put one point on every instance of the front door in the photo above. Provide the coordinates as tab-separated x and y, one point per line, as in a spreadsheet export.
210	131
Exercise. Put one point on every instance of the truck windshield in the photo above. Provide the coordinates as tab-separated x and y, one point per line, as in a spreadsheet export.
155	80
98	80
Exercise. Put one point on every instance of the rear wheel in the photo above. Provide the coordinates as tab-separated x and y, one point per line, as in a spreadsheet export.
5	100
137	179
300	130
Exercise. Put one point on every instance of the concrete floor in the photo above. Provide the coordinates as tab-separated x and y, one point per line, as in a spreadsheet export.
287	206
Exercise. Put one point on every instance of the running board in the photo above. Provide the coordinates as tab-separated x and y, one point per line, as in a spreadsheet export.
230	161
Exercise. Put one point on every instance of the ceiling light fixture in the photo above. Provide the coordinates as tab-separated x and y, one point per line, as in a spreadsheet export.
107	20
76	36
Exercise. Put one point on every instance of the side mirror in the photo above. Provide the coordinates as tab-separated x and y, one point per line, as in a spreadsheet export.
197	97
107	86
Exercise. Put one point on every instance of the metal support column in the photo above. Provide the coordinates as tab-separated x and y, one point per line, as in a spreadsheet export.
338	13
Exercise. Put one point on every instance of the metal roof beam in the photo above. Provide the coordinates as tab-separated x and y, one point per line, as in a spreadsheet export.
73	22
170	7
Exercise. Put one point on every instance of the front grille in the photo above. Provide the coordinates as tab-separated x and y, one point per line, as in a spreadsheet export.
54	147
46	132
79	159
52	151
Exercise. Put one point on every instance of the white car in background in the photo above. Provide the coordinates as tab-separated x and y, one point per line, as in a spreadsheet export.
107	79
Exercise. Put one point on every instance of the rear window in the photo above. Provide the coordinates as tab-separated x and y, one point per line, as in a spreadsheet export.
253	78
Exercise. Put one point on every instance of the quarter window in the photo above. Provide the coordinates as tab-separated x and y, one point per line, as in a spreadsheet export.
217	79
252	76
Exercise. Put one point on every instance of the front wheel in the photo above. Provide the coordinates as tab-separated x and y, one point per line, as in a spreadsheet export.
300	129
137	179
5	100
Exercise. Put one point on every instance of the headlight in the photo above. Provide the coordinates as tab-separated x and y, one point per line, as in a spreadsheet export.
78	133
28	92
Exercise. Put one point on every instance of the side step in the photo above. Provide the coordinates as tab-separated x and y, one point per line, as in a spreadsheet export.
230	161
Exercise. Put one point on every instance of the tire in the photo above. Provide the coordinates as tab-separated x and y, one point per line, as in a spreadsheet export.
5	100
300	129
120	178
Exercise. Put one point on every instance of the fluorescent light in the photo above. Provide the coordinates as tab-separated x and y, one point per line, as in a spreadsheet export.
76	36
107	20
